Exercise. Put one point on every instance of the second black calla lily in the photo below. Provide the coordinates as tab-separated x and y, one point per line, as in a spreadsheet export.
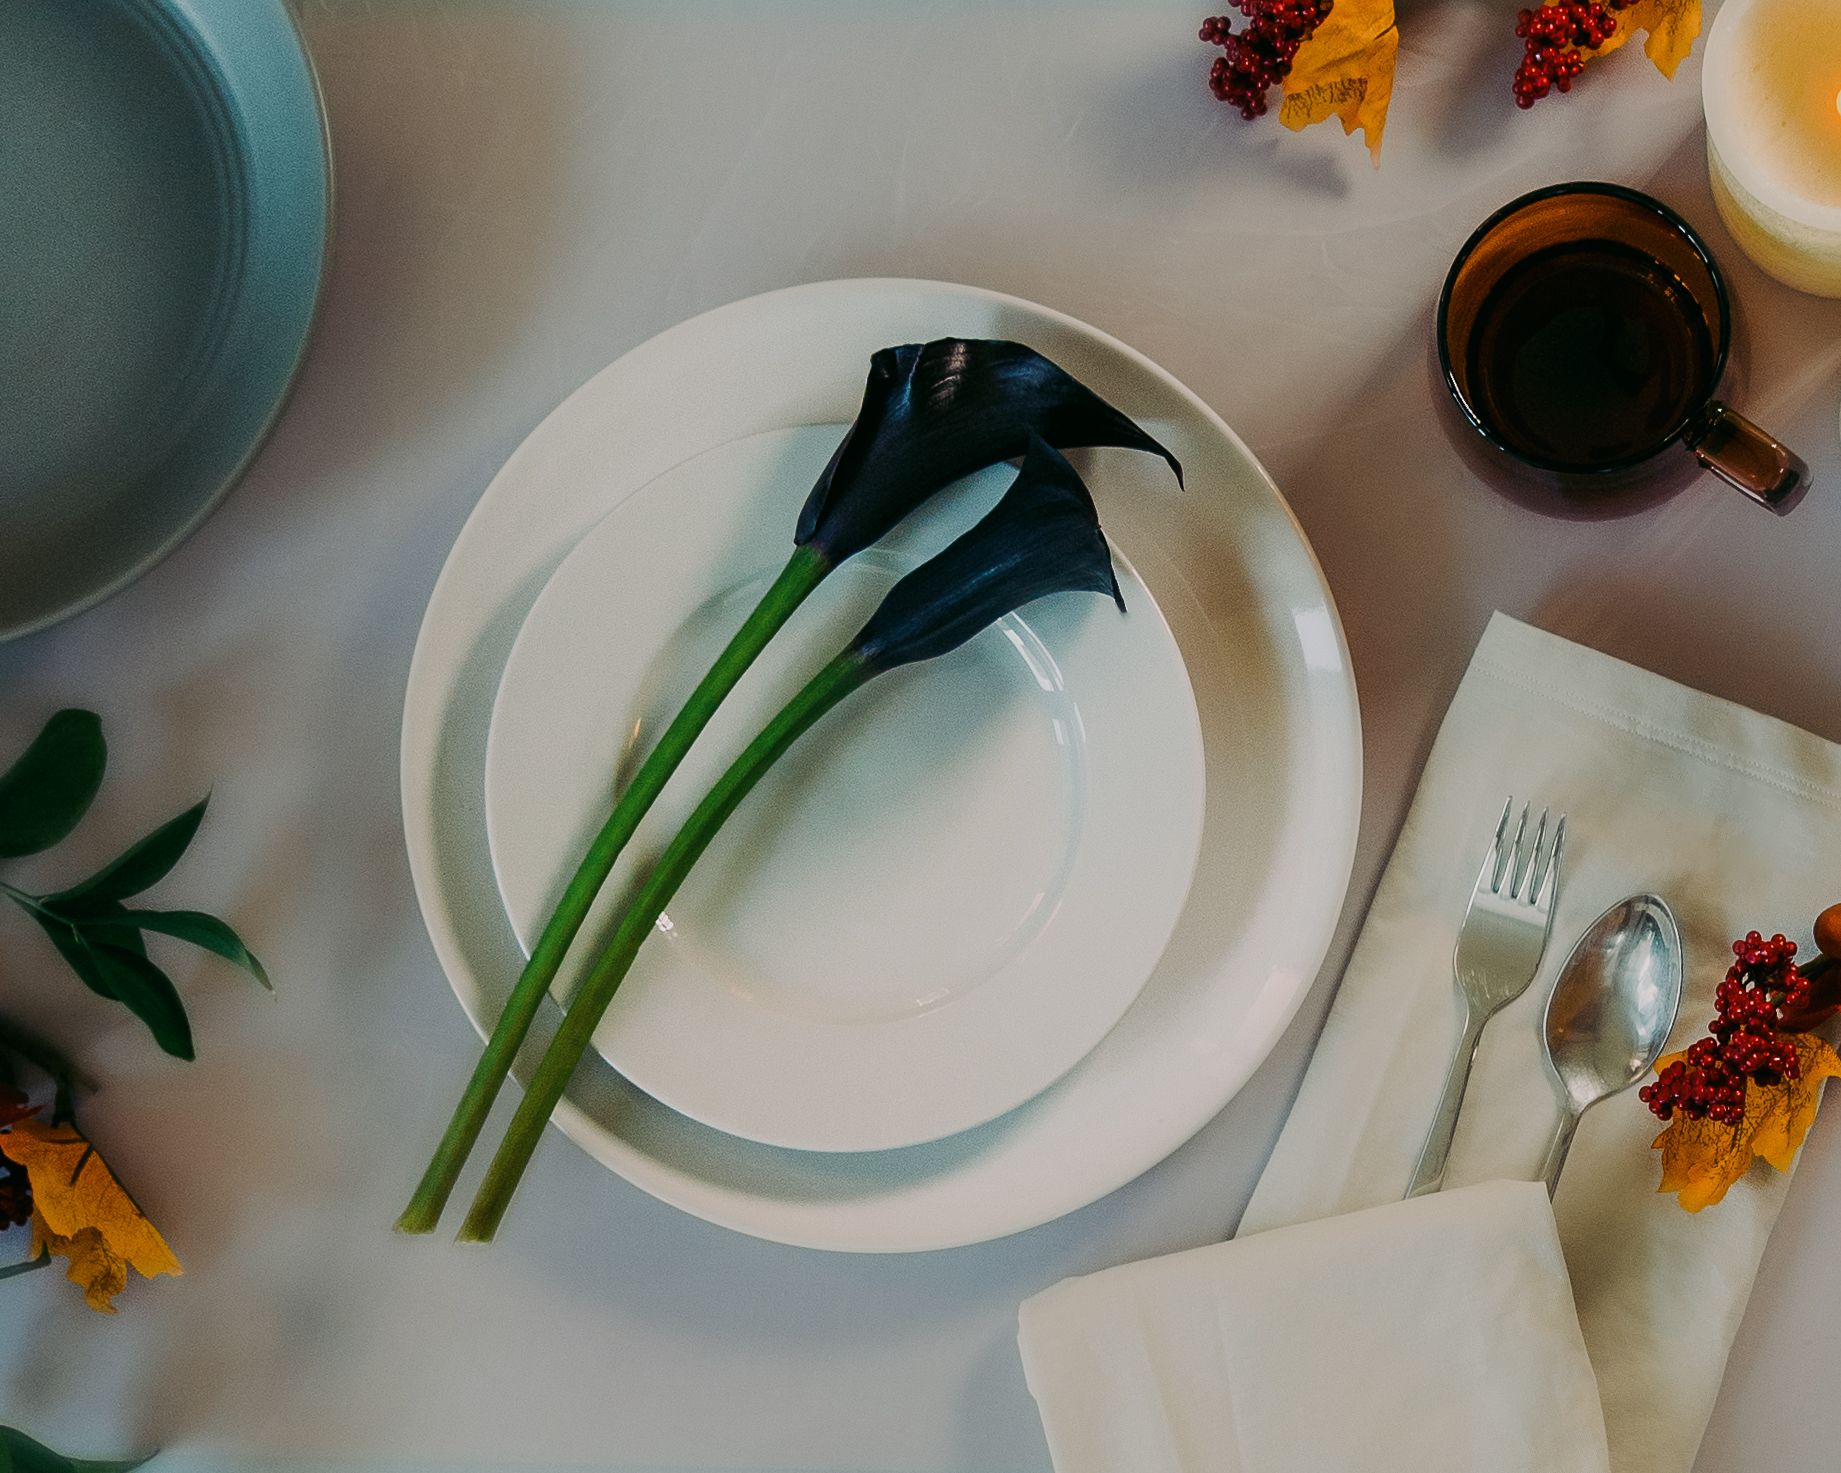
933	412
1043	537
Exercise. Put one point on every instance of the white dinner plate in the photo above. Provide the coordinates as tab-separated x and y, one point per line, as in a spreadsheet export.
1273	690
938	902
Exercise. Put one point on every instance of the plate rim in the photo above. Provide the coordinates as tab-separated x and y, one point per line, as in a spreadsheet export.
1181	838
721	1205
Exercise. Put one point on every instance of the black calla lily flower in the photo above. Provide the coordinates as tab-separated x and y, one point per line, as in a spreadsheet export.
1043	537
933	412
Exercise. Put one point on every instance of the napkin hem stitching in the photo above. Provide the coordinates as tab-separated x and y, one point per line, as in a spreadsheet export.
1634	725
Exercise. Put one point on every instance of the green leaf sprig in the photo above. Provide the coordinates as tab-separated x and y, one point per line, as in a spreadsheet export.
21	1454
43	796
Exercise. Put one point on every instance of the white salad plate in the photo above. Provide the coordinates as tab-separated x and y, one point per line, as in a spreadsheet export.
937	903
1251	614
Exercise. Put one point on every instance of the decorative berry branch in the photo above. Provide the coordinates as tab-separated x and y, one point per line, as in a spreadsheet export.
1341	65
1558	34
1764	992
15	1184
1750	1089
1260	55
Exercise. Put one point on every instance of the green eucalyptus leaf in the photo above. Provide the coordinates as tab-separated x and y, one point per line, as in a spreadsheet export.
65	937
21	1454
137	868
147	992
46	792
110	915
89	916
117	967
194	926
67	934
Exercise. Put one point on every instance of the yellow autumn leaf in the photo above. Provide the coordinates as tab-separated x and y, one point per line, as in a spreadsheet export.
1702	1159
1672	26
93	1267
80	1212
1788	1109
1346	70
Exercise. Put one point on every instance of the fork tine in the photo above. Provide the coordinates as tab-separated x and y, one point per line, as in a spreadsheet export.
1547	867
1505	857
1495	849
1525	856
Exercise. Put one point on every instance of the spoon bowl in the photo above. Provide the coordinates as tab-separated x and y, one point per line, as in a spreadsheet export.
1611	1011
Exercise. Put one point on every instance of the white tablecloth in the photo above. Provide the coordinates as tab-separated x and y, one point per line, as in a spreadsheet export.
525	192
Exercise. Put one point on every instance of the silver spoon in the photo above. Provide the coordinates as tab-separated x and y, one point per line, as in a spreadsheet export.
1611	1011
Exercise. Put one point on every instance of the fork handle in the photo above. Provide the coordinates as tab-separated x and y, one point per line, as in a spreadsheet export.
1429	1174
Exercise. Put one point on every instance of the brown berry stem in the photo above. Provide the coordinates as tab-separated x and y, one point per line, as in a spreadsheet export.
1824	978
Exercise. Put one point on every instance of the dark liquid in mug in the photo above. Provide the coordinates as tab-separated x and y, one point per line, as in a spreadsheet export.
1587	355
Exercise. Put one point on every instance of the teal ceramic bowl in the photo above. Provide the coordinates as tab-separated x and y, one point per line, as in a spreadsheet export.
166	184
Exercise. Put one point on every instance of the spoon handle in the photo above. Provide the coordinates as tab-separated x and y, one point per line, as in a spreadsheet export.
1429	1174
1556	1152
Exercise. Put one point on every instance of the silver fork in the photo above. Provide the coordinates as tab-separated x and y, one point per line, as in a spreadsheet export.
1498	952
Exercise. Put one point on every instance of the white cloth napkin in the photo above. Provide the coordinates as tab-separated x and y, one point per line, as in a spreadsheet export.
1431	1336
1735	819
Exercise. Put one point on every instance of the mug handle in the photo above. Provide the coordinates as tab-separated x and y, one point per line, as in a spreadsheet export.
1742	455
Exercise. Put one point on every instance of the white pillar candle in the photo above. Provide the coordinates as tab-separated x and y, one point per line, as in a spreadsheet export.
1771	82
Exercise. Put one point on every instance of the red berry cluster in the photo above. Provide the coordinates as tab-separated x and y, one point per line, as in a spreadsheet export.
15	1195
15	1185
1259	56
1557	35
1745	1042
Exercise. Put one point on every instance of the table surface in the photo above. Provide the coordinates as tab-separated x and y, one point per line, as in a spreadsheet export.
525	192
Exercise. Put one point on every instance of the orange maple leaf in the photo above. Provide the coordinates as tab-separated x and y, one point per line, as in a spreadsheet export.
1346	70
1672	27
82	1213
1703	1159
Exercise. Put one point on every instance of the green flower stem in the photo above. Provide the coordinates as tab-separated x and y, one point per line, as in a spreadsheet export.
821	693
805	571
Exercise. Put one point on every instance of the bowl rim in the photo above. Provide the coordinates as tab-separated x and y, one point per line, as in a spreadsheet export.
178	14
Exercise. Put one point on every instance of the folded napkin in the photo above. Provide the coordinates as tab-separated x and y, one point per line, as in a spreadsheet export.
1431	1336
1732	817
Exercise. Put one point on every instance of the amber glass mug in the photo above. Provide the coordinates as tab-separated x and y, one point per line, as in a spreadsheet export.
1583	331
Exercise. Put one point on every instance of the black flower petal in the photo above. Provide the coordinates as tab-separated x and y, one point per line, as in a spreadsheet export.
1043	537
937	411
